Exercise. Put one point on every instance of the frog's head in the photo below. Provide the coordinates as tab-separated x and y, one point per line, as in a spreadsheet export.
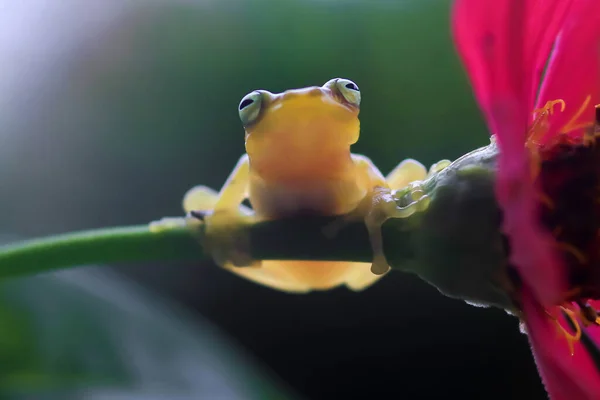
301	125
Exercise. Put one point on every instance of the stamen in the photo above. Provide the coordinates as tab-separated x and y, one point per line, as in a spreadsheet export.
596	131
589	138
573	293
574	251
549	106
588	314
572	125
545	199
536	160
540	123
571	338
559	229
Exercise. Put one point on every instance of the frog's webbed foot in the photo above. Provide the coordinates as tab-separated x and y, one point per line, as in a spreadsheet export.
406	172
201	200
224	235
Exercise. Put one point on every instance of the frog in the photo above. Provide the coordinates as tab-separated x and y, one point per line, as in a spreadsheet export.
298	161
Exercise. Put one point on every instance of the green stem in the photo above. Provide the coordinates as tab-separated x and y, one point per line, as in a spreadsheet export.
101	246
285	239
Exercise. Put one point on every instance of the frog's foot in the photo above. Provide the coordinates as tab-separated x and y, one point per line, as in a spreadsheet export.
406	172
167	223
438	166
224	235
201	200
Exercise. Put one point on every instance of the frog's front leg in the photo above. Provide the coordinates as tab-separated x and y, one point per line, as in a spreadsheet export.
379	205
407	175
225	217
372	209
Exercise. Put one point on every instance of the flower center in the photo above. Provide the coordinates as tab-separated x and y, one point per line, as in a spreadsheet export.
568	177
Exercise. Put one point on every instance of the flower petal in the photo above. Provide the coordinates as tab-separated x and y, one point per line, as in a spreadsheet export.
490	39
574	70
566	376
543	23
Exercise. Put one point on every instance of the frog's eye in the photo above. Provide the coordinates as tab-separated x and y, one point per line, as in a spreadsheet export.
349	90
249	107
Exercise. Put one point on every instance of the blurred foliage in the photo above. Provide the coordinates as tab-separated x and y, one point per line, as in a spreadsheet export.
89	335
116	107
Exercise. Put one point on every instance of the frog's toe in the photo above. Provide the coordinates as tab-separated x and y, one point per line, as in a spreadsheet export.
380	265
373	223
438	166
200	198
406	172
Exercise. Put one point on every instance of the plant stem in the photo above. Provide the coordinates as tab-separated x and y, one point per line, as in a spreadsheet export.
100	246
299	239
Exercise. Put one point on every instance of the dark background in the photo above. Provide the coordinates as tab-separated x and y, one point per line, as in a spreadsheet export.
112	109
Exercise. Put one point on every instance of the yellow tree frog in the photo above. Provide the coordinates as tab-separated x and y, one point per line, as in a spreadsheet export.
298	161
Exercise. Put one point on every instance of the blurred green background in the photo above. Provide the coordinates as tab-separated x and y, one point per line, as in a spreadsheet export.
111	109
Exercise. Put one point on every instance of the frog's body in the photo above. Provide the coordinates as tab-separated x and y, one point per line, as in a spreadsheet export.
298	162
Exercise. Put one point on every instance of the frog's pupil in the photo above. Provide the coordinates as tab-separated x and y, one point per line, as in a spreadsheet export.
245	103
352	86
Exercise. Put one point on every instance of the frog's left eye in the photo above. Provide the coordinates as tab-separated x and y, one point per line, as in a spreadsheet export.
349	90
249	107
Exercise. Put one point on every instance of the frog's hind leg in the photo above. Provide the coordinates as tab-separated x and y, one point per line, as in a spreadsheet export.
361	276
306	276
274	274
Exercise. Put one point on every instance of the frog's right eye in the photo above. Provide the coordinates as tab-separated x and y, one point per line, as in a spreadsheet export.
249	107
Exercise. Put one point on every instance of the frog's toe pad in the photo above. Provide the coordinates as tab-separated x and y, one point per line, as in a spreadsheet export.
166	223
379	266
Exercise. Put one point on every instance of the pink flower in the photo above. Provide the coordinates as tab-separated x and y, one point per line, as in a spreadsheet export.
535	70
